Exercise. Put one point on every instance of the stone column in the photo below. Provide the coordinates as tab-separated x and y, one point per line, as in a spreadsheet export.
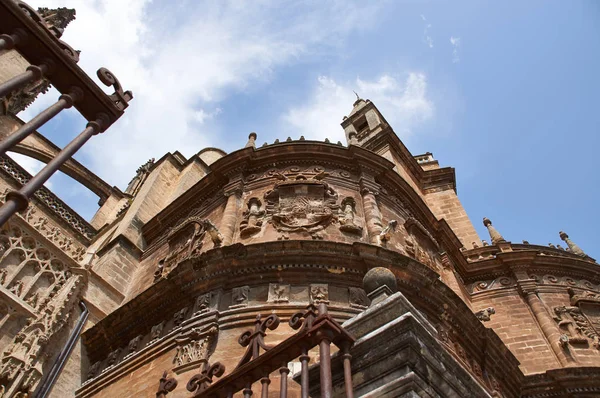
548	325
371	210
230	215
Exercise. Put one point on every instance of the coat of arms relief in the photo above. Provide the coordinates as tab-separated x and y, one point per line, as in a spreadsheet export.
301	204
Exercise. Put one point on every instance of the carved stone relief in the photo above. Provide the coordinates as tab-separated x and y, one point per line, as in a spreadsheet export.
43	283
357	298
206	302
278	293
301	204
239	297
179	317
195	348
156	332
319	293
252	218
347	219
581	320
485	314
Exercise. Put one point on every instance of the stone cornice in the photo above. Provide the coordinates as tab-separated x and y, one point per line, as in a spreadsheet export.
298	262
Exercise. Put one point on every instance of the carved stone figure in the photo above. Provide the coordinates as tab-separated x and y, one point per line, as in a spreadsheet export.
156	331
133	345
386	234
319	293
485	314
113	357
203	303
278	293
214	233
3	273
179	316
252	222
239	296
94	369
17	288
347	219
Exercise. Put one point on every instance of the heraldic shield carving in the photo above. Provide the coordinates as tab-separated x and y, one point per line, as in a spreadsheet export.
301	204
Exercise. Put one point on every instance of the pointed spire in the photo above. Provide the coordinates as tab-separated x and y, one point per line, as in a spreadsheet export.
251	140
574	248
494	235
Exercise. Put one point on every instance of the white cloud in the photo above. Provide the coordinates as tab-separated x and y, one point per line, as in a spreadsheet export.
404	105
455	41
426	36
182	59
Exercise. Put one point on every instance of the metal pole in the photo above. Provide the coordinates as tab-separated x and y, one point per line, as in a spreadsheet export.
8	42
65	101
347	370
19	200
32	73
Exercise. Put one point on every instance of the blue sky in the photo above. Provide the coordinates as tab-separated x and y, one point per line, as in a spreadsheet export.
505	92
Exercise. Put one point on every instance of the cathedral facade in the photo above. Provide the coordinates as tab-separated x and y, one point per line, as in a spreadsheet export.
170	274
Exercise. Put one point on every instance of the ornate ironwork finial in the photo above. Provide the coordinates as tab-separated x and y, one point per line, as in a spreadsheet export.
494	234
255	339
165	386
120	98
201	381
574	248
357	96
304	319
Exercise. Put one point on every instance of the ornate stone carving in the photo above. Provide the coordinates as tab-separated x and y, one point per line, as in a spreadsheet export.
347	219
301	204
357	298
214	233
239	297
386	234
179	316
51	201
133	345
319	293
94	370
113	358
252	222
582	319
138	180
485	314
186	240
156	332
278	293
205	302
577	325
195	348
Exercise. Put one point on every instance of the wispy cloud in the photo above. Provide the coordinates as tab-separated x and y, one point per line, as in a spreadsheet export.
405	105
183	60
455	41
426	36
